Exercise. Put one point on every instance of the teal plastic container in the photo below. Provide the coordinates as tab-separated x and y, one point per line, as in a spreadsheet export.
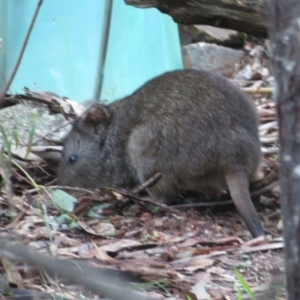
68	54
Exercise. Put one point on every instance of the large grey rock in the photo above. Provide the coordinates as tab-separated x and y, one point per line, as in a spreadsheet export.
18	121
211	57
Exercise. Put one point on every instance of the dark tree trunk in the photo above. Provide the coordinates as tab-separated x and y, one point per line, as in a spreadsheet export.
243	15
284	34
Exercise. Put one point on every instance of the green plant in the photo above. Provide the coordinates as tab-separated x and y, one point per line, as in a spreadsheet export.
244	285
152	285
5	159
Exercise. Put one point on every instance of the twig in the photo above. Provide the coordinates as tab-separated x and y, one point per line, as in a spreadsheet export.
268	126
146	184
261	240
206	204
7	86
264	189
49	133
132	196
98	280
262	90
265	247
52	187
270	150
269	139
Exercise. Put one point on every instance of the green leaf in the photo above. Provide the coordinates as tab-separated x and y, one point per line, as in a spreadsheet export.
239	295
15	135
244	284
95	211
278	291
6	147
63	200
65	218
30	140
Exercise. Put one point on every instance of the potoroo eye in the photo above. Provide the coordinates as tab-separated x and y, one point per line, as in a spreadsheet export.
73	158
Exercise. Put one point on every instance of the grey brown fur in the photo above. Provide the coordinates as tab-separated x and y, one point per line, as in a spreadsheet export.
197	129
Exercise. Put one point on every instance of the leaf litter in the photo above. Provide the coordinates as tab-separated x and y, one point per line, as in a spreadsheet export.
177	252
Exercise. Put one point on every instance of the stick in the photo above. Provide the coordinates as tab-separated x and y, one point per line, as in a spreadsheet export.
12	76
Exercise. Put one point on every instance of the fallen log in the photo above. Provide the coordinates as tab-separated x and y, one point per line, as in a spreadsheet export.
244	15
